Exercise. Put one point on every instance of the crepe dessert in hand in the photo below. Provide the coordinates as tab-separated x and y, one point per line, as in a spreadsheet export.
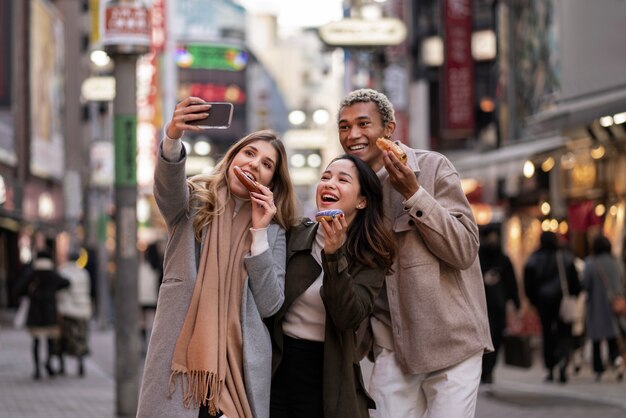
390	146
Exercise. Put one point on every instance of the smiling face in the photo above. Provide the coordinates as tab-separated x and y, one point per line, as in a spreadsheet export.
360	125
339	189
258	160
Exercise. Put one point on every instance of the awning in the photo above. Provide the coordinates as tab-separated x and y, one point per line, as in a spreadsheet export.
504	161
579	111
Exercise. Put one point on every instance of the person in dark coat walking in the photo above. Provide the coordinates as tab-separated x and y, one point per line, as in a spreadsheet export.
602	270
500	288
542	284
335	270
41	286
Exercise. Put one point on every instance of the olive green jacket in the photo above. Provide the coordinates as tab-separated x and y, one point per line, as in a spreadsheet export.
348	292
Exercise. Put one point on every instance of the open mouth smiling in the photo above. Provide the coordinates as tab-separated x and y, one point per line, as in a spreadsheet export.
357	147
249	175
329	198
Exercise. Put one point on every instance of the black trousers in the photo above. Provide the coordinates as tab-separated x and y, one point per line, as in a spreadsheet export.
204	413
490	359
297	384
598	365
557	337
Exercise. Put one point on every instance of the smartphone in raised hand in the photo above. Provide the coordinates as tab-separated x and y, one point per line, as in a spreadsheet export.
220	116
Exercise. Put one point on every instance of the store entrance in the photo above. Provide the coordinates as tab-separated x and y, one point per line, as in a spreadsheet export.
10	268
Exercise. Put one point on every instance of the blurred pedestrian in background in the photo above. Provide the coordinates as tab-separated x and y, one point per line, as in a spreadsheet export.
542	284
603	278
154	256
335	270
148	280
75	309
500	288
41	287
210	352
579	327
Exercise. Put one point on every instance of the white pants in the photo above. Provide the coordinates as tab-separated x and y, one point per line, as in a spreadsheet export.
446	393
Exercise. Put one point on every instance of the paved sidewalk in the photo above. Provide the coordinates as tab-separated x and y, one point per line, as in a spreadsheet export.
60	397
582	386
94	395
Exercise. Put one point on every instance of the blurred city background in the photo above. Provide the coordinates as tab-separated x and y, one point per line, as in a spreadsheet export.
526	97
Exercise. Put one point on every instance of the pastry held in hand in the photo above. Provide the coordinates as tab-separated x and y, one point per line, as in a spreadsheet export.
390	146
328	215
248	182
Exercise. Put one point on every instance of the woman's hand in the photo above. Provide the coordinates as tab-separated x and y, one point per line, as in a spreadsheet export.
192	108
334	233
263	207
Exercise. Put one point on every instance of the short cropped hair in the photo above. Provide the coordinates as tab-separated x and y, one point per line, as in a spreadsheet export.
385	108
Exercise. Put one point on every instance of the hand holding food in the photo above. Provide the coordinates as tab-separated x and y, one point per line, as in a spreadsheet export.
390	146
334	228
247	181
401	176
328	215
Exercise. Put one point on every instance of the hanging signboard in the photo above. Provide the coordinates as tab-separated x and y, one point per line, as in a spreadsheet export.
126	29
211	57
458	70
356	32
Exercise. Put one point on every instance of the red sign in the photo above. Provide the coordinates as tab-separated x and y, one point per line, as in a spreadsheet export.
127	24
158	26
458	70
231	93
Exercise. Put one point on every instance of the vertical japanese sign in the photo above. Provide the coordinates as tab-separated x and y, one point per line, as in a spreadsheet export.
157	17
47	81
125	150
458	71
5	53
7	137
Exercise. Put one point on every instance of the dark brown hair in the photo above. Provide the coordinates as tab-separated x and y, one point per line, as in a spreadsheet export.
369	241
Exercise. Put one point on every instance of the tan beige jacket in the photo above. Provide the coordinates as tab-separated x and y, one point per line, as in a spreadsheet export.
436	294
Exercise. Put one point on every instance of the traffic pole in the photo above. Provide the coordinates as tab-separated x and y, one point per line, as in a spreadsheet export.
126	35
127	344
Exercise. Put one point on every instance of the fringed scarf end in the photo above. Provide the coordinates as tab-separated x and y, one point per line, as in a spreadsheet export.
199	388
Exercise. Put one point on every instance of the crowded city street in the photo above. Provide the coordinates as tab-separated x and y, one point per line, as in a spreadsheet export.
312	208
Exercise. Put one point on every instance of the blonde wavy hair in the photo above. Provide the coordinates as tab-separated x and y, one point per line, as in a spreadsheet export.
203	188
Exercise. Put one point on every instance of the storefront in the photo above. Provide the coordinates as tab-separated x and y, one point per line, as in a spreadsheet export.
9	232
30	219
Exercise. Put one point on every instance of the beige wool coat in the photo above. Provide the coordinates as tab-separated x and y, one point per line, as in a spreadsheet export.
262	296
436	293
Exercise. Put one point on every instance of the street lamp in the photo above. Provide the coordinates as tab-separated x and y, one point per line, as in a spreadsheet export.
99	58
297	117
321	116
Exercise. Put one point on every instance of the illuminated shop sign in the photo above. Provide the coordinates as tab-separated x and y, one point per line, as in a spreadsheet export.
126	27
3	191
231	93
351	32
211	57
